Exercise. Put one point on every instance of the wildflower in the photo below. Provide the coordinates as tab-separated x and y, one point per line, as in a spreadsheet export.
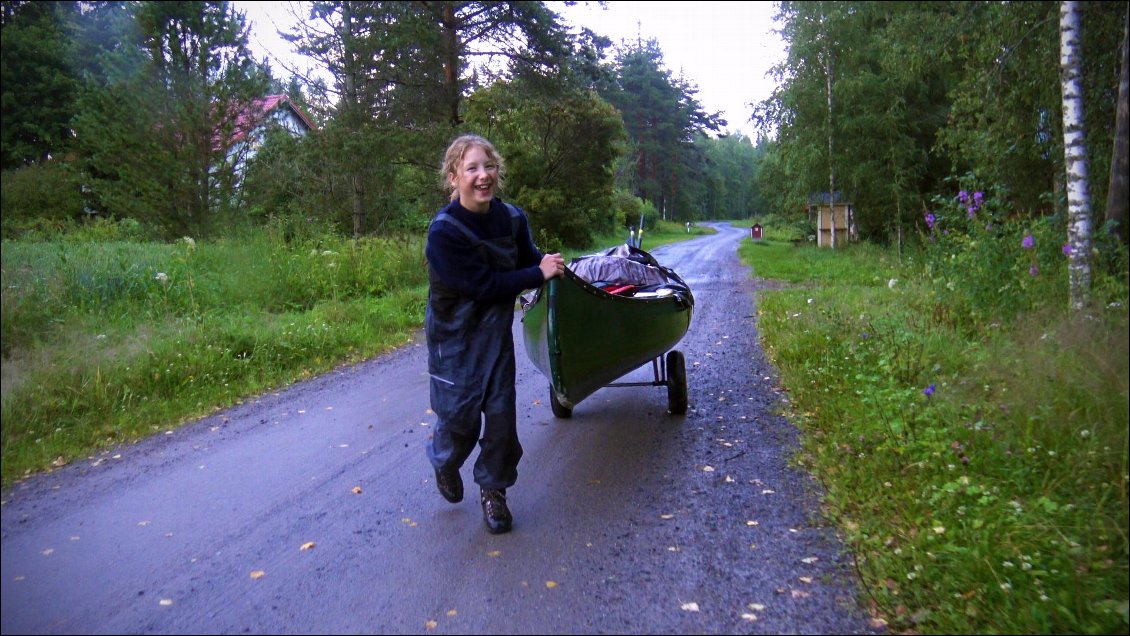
1067	249
963	196
928	391
1028	242
930	220
1033	271
162	277
978	197
891	283
972	211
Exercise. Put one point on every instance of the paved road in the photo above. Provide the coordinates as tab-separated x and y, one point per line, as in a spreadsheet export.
627	519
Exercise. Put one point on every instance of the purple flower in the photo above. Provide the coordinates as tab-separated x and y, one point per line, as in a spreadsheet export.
928	391
1067	249
930	220
978	198
972	211
963	196
1033	271
1028	242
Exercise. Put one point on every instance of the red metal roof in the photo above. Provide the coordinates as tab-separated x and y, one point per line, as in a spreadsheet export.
258	111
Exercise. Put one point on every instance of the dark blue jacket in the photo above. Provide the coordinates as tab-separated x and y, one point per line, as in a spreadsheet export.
462	268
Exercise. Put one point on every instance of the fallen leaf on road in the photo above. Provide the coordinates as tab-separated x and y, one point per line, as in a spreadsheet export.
257	574
451	612
707	469
356	490
751	522
689	607
757	607
810	560
494	553
431	625
309	545
166	602
806	579
550	584
749	617
800	594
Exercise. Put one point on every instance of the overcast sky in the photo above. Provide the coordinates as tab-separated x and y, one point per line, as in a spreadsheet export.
723	48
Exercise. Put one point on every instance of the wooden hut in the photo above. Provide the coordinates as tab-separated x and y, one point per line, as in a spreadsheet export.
820	213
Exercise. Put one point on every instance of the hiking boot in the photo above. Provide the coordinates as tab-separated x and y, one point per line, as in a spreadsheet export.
495	513
450	485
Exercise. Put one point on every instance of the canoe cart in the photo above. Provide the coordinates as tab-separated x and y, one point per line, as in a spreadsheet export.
609	314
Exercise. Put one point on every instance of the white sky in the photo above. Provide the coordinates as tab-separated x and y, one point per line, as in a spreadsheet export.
723	48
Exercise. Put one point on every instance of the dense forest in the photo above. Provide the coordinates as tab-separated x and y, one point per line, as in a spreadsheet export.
114	108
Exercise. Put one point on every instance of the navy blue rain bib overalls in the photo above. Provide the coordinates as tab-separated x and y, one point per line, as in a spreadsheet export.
471	363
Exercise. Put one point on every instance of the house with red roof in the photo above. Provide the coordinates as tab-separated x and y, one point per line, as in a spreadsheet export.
252	123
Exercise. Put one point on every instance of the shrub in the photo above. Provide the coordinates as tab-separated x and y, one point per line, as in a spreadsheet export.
39	197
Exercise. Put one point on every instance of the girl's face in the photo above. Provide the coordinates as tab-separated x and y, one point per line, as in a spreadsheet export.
475	180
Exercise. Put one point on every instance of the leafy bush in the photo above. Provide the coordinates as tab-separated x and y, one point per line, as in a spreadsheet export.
39	197
969	431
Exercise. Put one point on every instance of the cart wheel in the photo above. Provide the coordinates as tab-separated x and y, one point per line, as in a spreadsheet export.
559	409
676	383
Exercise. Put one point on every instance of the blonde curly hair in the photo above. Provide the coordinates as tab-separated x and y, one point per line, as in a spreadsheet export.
453	158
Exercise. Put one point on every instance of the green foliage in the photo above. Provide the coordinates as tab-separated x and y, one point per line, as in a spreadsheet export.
730	178
985	268
559	150
976	465
662	117
101	340
155	115
42	195
924	90
39	85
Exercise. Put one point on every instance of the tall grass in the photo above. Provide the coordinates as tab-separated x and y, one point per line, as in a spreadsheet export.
970	432
108	342
107	339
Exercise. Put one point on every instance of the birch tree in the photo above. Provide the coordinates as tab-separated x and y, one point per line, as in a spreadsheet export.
1075	157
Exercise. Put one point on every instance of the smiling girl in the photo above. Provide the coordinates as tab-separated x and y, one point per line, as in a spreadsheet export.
480	257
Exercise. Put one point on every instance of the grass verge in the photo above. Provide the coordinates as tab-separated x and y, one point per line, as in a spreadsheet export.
974	456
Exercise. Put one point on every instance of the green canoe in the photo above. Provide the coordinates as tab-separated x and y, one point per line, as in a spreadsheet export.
582	338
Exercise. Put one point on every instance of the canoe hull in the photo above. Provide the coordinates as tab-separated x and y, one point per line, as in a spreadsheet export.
582	338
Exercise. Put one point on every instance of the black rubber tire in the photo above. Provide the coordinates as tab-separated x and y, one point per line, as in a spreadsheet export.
676	383
559	409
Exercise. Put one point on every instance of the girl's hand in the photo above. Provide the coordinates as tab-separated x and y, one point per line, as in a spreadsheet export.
552	265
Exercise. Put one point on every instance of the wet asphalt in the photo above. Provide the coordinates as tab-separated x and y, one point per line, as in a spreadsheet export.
312	509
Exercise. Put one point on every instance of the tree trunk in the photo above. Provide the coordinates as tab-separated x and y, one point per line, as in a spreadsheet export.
831	165
352	106
450	39
1116	197
1075	157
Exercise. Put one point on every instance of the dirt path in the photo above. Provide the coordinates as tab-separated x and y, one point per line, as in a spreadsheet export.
627	519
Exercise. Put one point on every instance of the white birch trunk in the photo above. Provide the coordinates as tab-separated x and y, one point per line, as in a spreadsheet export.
1075	156
831	165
